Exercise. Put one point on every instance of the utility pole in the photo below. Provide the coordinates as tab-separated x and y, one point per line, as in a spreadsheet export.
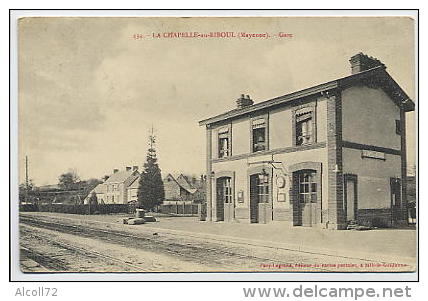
26	179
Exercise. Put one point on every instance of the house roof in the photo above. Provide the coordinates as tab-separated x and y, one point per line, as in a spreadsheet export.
374	76
100	188
134	183
120	176
182	181
49	187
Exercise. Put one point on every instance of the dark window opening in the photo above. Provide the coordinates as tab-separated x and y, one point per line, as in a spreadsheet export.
307	186
398	127
259	135
304	129
223	150
223	144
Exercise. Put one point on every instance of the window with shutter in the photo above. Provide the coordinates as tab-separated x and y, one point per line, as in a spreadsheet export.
304	126
224	143
259	135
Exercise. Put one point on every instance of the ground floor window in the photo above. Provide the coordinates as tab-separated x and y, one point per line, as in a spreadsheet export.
263	188
307	186
224	189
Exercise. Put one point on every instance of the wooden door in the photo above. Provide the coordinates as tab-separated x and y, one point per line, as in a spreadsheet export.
307	192
225	206
220	200
395	198
254	199
309	212
228	199
351	197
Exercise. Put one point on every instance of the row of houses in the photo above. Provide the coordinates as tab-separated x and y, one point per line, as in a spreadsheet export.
121	187
57	194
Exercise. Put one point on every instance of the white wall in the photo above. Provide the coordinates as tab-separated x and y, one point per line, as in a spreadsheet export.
373	177
241	136
280	128
369	117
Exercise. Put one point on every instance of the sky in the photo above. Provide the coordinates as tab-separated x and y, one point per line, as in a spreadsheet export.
89	92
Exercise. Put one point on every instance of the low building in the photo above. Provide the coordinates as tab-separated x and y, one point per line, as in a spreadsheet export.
115	190
182	188
99	190
133	191
325	156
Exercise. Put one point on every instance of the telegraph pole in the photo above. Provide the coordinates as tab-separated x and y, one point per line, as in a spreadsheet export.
26	179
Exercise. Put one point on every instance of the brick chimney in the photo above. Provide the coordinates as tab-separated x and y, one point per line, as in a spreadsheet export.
361	62
135	167
115	170
244	101
128	168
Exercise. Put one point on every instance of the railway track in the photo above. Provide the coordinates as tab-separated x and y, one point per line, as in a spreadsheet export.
189	250
45	261
64	253
210	251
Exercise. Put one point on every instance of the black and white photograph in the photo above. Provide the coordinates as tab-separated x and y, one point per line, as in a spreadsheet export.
217	144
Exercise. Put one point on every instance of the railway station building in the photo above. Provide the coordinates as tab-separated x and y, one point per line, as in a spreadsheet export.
327	156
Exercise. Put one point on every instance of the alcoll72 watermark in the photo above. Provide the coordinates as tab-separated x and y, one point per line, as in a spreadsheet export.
36	292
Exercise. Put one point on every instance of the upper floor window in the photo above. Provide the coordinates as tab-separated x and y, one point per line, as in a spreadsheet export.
398	127
259	135
304	126
224	142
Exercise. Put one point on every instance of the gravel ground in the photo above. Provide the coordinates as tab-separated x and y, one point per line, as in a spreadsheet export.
102	244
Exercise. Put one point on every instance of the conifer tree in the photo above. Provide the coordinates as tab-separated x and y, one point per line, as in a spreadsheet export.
151	191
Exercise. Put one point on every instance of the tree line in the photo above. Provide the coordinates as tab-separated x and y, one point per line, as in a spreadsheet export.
72	190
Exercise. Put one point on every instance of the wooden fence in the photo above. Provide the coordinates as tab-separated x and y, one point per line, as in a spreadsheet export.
174	209
179	209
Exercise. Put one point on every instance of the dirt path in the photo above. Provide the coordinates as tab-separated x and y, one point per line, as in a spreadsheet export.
88	247
63	252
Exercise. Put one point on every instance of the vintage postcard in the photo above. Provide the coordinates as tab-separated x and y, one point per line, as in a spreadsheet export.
217	144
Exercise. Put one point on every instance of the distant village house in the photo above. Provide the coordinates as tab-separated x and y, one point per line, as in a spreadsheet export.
116	188
182	188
